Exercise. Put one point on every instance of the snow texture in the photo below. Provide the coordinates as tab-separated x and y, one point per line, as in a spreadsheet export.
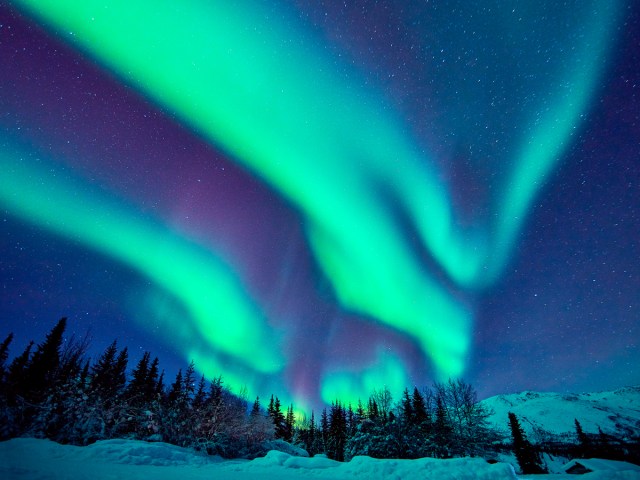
30	459
36	459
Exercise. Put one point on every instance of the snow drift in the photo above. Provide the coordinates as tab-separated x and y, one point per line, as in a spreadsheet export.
28	459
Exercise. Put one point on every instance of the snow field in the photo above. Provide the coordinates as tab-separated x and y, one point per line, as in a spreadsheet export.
37	459
31	459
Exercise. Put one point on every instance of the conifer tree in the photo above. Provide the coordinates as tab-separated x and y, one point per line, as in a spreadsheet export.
584	445
159	390
176	391
215	392
278	419
372	411
71	360
41	372
311	439
151	385
137	388
189	381
103	373
199	397
408	415
120	371
4	354
337	432
420	413
324	430
16	379
352	422
84	373
528	459
289	422
255	409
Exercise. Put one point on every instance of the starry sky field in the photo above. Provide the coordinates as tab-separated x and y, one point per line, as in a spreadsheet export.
316	199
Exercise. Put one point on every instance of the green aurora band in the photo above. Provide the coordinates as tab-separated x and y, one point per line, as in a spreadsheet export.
204	284
272	98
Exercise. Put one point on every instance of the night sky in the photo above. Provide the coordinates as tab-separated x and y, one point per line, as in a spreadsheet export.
316	199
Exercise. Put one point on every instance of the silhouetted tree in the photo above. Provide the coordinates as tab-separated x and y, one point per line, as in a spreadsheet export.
137	389
289	423
420	413
528	458
311	439
200	396
40	373
583	449
16	378
277	417
4	355
256	409
105	381
324	431
408	416
337	437
176	392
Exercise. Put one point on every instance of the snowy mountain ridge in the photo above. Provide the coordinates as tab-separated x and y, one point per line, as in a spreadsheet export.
542	413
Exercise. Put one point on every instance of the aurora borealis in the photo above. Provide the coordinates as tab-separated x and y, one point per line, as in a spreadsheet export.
317	200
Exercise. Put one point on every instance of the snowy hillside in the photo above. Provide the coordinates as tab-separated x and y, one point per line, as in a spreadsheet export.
617	411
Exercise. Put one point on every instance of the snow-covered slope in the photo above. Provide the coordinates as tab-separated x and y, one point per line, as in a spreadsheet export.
614	412
31	459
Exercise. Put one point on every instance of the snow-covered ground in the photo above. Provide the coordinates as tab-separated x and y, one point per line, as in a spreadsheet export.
30	459
555	412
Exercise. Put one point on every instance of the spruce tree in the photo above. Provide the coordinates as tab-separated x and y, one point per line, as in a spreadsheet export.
373	412
120	371
199	397
176	392
337	432
360	413
16	380
137	388
311	439
152	385
215	392
352	422
528	458
324	430
408	415
189	381
255	409
4	354
41	372
278	419
159	390
584	444
289	422
420	413
103	376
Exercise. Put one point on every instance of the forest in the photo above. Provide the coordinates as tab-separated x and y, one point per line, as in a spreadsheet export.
51	390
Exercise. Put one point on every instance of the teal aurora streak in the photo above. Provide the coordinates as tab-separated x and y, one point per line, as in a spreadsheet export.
277	102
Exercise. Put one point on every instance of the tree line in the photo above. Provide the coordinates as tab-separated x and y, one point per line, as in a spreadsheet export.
51	390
